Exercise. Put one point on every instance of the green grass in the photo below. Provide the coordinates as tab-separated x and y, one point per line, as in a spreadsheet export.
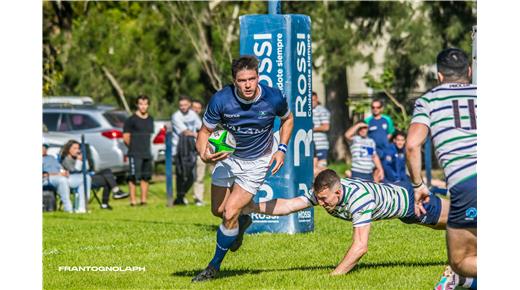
175	243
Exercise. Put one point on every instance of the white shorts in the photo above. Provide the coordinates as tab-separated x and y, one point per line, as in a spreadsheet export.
249	174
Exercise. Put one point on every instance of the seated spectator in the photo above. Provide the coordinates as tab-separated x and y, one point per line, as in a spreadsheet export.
71	160
55	176
394	161
363	151
107	181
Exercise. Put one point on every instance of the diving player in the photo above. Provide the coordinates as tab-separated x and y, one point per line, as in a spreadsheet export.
361	202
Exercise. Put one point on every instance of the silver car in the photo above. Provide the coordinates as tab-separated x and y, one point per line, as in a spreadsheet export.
102	127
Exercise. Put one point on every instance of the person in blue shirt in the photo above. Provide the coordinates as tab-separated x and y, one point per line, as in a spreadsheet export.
246	109
380	127
57	177
394	161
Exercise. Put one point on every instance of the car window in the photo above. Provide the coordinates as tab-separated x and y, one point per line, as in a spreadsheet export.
50	120
80	121
116	118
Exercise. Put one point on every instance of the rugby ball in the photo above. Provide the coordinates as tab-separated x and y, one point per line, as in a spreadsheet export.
222	141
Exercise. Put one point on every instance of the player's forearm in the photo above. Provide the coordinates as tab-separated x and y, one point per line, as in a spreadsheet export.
356	252
286	129
280	206
414	163
202	140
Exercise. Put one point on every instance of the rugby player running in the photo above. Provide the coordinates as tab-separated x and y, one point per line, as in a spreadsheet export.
247	109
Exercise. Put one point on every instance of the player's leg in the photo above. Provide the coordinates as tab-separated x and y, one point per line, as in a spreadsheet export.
462	228
222	180
227	231
219	196
462	251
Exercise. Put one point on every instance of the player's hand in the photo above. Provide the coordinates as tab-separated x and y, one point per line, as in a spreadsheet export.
279	156
214	157
421	194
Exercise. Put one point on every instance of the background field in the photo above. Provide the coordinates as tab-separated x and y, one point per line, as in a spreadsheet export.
175	243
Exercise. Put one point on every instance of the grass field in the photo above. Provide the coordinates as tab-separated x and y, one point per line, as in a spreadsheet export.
173	244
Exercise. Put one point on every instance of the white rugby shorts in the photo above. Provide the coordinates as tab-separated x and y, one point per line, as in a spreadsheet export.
249	174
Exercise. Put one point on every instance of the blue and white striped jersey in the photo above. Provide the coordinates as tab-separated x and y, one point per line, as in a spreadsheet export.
450	111
365	201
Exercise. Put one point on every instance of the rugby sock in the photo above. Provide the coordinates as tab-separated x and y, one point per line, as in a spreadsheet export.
467	282
225	238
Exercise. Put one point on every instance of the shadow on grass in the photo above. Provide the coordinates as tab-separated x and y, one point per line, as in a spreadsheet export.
230	273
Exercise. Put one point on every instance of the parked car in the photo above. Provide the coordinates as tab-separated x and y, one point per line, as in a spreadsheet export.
102	127
55	140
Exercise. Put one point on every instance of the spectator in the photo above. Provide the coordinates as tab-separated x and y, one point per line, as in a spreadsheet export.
364	159
57	177
72	161
200	166
321	120
137	133
380	127
394	161
185	123
107	181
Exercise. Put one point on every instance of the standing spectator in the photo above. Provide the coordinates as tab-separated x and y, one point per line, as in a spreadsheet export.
198	187
137	133
57	177
321	121
394	161
72	161
364	159
185	124
380	127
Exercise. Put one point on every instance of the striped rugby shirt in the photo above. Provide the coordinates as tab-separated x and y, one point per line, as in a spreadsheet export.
362	150
450	111
365	201
320	116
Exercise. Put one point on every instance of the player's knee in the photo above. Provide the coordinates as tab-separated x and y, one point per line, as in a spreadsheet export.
231	213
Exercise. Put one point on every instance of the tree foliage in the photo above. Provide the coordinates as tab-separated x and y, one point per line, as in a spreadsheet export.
111	50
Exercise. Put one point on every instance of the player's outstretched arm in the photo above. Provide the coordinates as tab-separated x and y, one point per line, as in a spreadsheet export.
358	248
280	206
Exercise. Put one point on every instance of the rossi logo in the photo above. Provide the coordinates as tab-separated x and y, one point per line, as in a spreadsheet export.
263	218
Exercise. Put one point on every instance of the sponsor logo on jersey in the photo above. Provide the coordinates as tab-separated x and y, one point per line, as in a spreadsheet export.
262	115
231	115
471	213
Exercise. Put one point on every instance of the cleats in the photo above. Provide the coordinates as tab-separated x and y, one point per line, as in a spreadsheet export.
209	273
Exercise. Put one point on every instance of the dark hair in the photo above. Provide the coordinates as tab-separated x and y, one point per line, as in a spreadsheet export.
142	97
314	93
326	179
184	98
380	102
200	102
245	62
453	64
66	148
398	133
